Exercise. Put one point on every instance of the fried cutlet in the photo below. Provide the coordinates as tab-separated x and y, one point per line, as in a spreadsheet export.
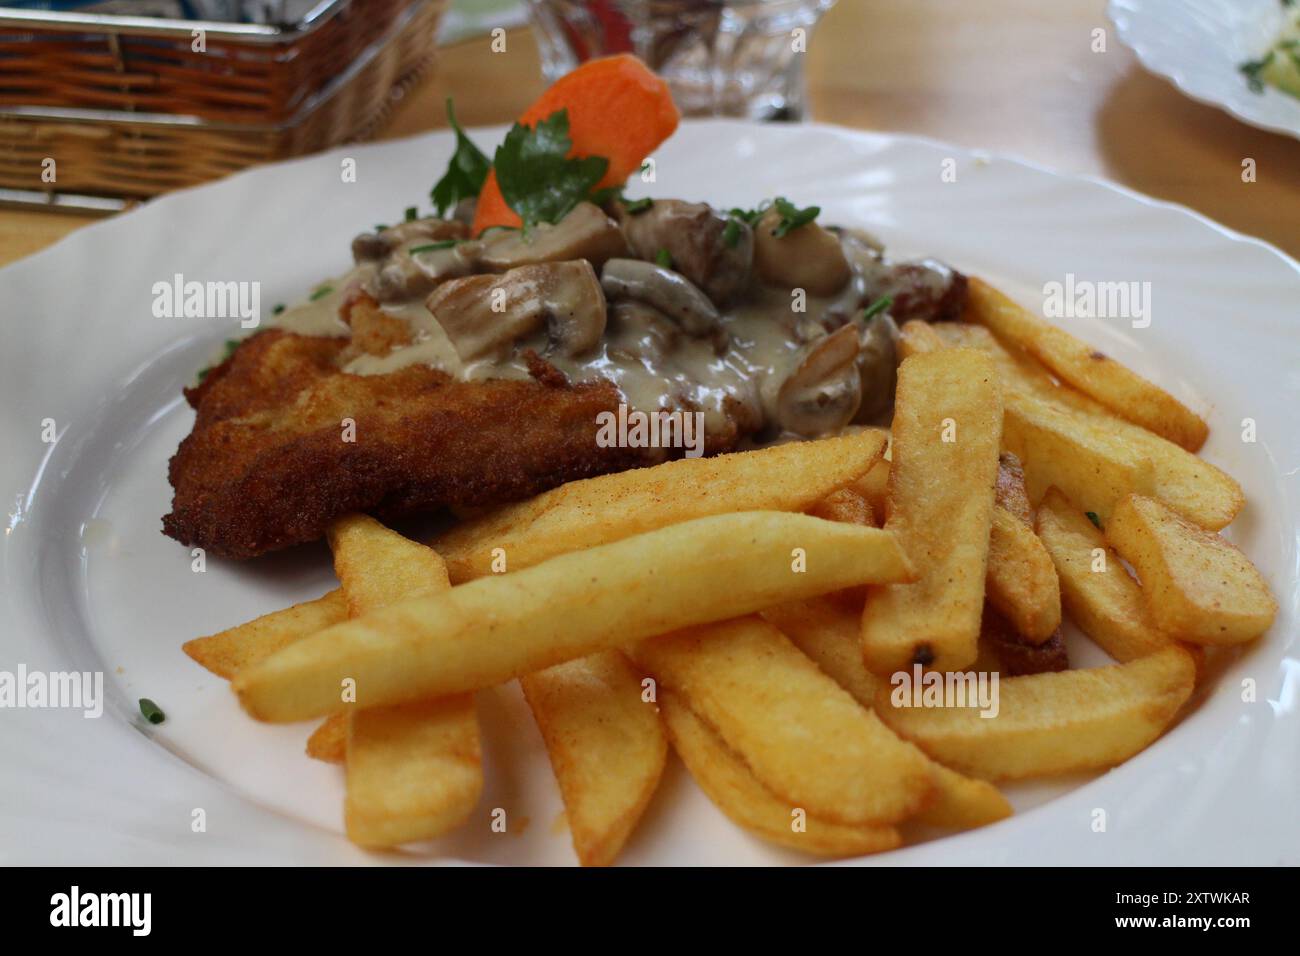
269	463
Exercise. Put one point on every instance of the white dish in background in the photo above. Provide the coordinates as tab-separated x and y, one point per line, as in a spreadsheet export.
90	583
1200	44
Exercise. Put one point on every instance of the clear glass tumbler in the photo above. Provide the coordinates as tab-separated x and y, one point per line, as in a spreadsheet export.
720	57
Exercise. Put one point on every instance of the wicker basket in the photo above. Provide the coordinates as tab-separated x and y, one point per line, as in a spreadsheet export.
129	110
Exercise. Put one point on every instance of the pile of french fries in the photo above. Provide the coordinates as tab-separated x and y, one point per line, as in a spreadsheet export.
751	610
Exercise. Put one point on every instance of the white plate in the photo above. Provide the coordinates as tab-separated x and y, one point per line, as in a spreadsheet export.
1200	44
89	582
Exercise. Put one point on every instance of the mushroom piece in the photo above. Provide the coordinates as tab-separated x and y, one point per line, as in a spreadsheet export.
640	331
824	391
484	314
878	367
702	243
668	291
370	246
585	233
410	272
808	257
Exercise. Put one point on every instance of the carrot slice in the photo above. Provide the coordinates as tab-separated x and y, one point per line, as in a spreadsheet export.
618	109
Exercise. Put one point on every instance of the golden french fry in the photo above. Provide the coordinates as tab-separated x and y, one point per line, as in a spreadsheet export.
802	736
607	747
789	477
947	428
232	650
329	741
1010	491
1076	453
874	487
725	779
1197	586
1098	376
414	770
917	336
1192	487
1054	723
1021	580
847	505
829	632
490	630
1097	591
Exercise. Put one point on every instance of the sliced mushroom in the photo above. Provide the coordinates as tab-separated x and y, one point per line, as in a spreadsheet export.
370	246
484	314
411	272
703	247
922	289
585	233
824	391
668	291
878	367
641	331
808	257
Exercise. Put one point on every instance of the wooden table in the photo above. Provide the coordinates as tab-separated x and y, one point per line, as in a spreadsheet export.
1012	76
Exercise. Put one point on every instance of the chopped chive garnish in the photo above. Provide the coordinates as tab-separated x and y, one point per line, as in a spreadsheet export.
431	246
1092	516
278	309
151	711
875	308
635	206
731	233
792	217
322	292
412	213
380	227
664	259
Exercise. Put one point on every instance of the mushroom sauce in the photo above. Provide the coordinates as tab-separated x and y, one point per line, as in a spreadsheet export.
766	336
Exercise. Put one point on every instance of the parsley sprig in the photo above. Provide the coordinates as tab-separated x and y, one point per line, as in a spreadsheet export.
465	173
538	178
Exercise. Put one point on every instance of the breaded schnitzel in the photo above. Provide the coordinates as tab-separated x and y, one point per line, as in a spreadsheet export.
267	466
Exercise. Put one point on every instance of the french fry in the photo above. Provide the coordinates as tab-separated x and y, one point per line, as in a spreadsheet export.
829	633
731	786
874	487
491	630
414	770
789	477
1192	487
947	427
917	336
1010	491
607	747
1196	585
232	650
802	736
1098	593
1054	723
847	505
1098	376
329	741
1021	581
1076	453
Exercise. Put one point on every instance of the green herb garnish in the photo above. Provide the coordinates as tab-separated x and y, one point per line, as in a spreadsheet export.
431	246
635	207
412	213
792	217
538	178
875	308
278	308
1252	69
227	349
321	292
1092	516
380	227
664	259
731	233
465	173
151	711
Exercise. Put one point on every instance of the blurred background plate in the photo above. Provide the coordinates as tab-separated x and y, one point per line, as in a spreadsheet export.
88	582
1201	45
